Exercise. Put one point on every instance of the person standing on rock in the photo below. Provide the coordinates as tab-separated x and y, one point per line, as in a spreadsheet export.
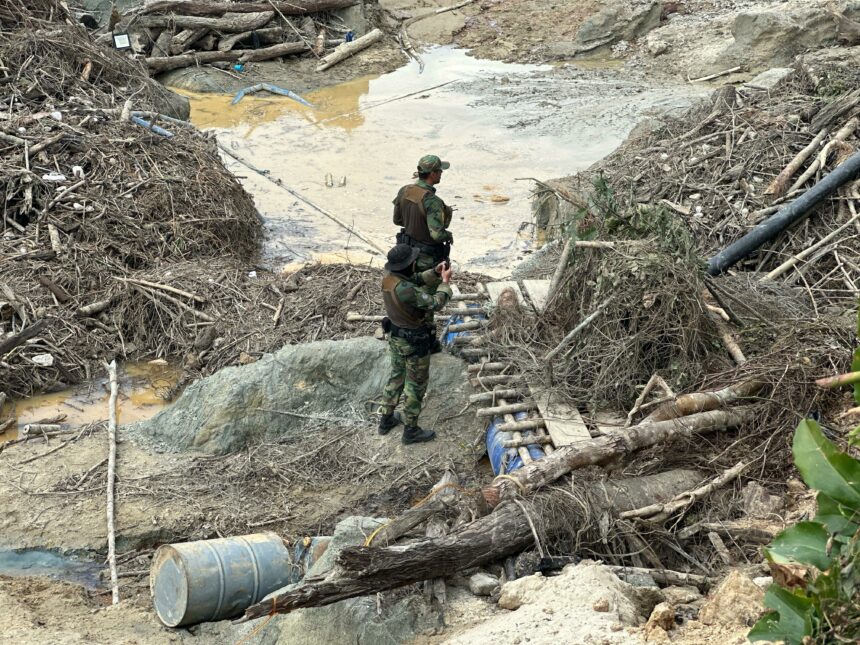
410	299
425	219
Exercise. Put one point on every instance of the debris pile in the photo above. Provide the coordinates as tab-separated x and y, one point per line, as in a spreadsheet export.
175	34
97	208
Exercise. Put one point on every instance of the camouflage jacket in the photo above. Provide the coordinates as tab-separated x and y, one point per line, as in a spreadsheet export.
410	290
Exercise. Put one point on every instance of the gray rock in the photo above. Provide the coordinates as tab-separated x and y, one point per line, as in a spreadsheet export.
618	20
483	584
199	79
774	38
769	79
759	503
172	104
227	411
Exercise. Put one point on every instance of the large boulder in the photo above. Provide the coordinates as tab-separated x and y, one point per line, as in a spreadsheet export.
773	38
234	407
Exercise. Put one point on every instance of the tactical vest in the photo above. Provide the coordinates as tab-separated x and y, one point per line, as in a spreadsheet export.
400	313
414	215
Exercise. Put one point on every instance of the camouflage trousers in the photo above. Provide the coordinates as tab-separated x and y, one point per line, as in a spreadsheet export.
409	376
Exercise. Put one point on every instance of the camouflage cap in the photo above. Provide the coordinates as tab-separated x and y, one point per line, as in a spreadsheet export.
432	163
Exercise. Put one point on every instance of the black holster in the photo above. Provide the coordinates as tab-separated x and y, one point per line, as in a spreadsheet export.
438	252
421	339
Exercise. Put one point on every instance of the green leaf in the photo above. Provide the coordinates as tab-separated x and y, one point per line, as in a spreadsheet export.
823	467
838	519
803	543
790	621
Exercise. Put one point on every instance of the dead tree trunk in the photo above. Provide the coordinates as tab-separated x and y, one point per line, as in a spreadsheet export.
695	402
164	64
361	570
231	22
286	7
609	446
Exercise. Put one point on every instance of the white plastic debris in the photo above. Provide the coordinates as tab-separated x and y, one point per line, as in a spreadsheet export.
252	274
54	176
78	172
45	360
57	115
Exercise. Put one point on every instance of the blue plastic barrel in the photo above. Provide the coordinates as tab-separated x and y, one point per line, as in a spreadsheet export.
506	460
448	337
209	580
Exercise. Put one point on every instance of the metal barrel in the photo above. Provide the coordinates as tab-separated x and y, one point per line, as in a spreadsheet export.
210	580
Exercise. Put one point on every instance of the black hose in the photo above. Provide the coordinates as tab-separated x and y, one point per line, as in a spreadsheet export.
785	217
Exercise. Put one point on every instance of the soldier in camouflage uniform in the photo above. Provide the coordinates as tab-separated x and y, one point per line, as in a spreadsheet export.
410	297
423	215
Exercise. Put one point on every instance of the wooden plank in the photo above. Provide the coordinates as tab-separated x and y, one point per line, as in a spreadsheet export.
494	290
538	292
563	422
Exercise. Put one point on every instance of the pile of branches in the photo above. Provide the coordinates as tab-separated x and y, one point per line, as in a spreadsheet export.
92	200
729	163
172	34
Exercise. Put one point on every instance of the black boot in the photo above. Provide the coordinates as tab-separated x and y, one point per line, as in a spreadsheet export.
387	422
415	434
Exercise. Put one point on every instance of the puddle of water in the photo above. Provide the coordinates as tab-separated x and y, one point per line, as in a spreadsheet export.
364	133
139	387
49	564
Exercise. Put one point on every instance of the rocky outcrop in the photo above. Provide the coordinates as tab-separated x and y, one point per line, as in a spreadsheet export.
617	20
774	38
233	408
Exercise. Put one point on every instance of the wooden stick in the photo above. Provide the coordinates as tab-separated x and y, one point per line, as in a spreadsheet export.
731	344
11	342
346	50
720	548
711	77
199	314
641	399
497	379
526	424
471	325
487	367
696	402
660	512
93	308
785	266
662	576
558	274
164	287
111	478
843	133
576	330
496	395
830	382
778	186
506	409
436	12
535	440
474	295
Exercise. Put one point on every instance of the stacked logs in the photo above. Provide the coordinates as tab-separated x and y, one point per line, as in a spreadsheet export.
172	34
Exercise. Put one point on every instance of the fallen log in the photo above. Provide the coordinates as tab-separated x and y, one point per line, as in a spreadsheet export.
157	65
362	570
696	402
610	446
184	39
228	23
346	50
268	36
286	7
779	185
11	342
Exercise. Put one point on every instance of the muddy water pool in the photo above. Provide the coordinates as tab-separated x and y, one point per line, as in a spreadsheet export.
140	385
495	122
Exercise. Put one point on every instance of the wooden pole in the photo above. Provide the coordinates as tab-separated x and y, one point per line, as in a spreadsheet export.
111	477
346	50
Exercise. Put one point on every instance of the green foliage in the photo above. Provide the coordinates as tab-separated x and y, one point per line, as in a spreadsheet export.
827	610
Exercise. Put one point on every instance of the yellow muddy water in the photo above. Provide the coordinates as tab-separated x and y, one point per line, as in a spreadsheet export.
139	387
362	140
